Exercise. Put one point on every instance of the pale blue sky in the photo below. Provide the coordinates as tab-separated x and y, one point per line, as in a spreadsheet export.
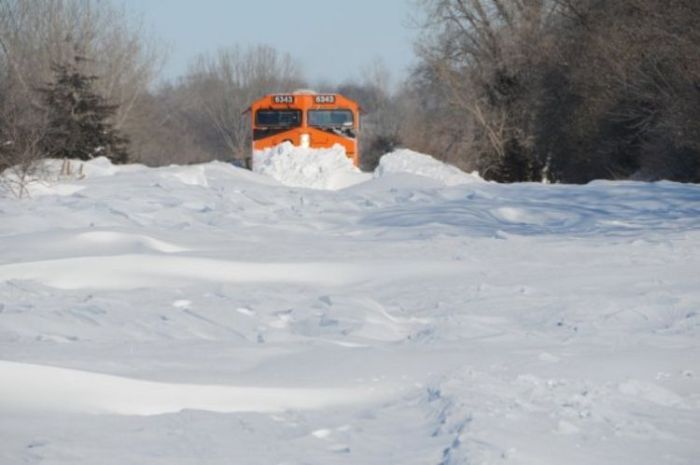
333	39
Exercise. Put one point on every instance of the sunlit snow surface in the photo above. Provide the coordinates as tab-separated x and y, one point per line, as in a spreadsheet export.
209	315
294	166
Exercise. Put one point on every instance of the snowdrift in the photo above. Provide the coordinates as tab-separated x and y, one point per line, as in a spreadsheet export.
36	388
331	169
59	177
312	168
321	169
409	162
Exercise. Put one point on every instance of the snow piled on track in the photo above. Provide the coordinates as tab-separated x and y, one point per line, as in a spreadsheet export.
208	314
294	166
331	169
410	162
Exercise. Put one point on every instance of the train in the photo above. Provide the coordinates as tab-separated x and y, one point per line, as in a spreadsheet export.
306	119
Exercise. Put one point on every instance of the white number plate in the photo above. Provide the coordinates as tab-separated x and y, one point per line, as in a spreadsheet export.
289	99
325	99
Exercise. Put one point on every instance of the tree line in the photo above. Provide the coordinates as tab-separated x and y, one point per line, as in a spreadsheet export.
518	90
565	90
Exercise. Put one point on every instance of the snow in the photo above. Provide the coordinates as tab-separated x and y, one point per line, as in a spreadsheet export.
411	162
305	167
142	271
331	169
34	388
51	177
207	314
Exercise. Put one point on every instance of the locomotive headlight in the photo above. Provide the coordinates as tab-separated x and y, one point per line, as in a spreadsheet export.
305	140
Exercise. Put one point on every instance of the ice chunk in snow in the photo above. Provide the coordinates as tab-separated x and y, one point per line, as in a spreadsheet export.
312	168
410	162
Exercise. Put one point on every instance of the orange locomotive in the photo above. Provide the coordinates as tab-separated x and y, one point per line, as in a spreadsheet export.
306	119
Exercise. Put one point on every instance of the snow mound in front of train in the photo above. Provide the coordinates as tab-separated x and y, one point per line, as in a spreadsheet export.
328	169
409	162
331	169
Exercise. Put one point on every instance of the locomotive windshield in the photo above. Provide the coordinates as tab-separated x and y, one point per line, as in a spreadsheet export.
278	118
331	118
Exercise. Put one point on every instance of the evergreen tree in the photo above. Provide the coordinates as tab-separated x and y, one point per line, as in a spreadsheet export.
78	118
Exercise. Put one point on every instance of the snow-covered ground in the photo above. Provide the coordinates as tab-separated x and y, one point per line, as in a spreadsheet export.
294	166
210	315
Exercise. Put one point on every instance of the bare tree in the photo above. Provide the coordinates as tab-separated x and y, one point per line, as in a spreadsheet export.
563	89
21	135
222	86
170	131
486	54
40	34
633	97
36	35
382	119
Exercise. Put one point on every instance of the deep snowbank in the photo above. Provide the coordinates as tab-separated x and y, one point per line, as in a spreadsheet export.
331	169
294	166
323	169
409	162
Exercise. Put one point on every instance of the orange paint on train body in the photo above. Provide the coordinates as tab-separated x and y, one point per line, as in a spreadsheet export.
306	119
